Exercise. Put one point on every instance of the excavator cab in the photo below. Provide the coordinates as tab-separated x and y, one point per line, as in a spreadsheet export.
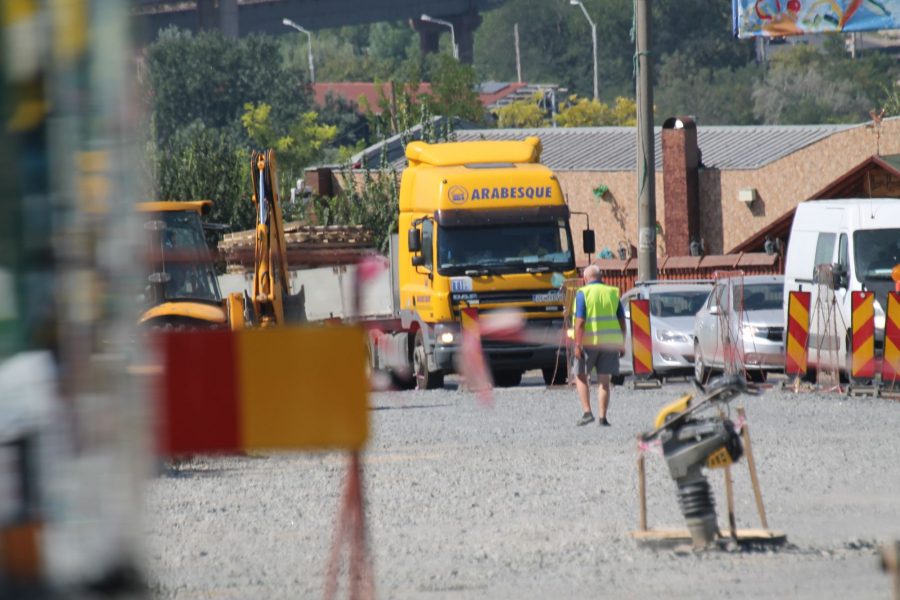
181	289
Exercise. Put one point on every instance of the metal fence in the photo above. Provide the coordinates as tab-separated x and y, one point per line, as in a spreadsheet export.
623	273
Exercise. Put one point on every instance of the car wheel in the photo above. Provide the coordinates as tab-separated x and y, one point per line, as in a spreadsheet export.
427	380
507	378
700	371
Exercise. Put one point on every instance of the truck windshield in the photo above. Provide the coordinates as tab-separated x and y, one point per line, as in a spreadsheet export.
184	256
505	248
877	252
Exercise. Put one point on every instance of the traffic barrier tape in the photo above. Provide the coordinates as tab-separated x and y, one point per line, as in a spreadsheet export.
797	348
863	339
473	365
641	340
890	366
297	388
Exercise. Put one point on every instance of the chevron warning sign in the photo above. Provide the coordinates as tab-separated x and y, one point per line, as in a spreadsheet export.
863	340
797	346
890	366
641	341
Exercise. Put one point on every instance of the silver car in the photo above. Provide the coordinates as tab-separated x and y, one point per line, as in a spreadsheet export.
673	305
760	330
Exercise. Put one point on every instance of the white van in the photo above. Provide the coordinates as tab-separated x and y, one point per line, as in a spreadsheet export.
861	239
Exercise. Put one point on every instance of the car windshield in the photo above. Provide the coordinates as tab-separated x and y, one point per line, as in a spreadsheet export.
185	258
877	253
677	304
760	296
508	248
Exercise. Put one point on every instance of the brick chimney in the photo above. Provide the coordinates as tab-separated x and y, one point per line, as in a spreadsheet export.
681	184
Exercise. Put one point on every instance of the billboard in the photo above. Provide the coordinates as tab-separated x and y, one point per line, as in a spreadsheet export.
776	18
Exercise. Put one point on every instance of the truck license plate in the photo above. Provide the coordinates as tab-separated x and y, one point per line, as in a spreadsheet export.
460	284
549	297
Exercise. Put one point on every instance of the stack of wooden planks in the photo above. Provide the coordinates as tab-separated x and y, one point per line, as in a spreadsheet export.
307	246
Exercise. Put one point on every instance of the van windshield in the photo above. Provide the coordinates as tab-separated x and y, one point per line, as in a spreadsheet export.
505	248
877	253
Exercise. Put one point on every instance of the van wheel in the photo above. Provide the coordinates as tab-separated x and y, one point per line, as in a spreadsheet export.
555	375
427	380
507	378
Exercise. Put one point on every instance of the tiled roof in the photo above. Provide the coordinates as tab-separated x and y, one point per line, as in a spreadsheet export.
614	148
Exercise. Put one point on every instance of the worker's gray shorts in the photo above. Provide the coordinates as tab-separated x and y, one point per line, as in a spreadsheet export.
605	361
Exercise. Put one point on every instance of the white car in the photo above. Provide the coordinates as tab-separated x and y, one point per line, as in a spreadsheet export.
673	305
758	335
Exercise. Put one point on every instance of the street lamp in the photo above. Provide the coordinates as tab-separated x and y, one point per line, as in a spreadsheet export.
452	33
312	67
593	39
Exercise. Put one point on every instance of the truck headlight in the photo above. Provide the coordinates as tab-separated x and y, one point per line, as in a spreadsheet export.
671	336
447	337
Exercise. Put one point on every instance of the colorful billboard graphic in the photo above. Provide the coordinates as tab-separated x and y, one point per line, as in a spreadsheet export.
776	18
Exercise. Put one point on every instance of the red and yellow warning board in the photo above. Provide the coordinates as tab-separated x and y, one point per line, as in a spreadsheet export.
797	346
641	341
225	391
890	366
863	340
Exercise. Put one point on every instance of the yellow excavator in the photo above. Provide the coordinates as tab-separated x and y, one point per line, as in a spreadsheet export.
182	290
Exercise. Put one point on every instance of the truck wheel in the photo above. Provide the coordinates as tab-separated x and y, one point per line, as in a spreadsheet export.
427	380
507	378
559	372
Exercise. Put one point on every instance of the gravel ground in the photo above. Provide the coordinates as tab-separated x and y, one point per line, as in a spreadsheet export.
513	501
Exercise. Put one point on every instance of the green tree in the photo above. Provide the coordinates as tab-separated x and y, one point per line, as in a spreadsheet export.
210	78
201	163
581	112
525	113
453	90
297	146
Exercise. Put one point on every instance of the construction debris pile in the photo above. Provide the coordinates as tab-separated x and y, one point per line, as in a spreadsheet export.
307	246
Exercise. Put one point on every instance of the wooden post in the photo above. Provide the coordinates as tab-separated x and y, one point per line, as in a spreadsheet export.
729	494
752	465
641	482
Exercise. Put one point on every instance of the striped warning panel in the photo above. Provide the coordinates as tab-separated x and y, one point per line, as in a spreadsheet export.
890	366
275	388
641	341
863	339
797	347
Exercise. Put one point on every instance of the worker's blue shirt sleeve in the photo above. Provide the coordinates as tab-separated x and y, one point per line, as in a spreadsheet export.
620	312
580	312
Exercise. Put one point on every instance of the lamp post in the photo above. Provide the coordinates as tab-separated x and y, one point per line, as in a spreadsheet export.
452	33
593	39
312	67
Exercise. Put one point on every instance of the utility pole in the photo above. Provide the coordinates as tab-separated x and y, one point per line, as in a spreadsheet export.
646	160
518	56
593	40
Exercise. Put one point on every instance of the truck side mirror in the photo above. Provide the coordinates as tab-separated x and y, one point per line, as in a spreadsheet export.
588	242
415	240
418	261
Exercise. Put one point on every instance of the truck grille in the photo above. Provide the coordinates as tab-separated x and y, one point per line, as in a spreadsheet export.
512	297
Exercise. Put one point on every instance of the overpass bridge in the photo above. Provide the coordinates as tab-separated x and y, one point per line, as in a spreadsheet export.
241	17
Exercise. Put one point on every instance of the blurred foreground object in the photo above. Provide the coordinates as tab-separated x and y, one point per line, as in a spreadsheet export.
73	431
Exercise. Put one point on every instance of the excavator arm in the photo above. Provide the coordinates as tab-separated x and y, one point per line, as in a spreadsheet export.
271	284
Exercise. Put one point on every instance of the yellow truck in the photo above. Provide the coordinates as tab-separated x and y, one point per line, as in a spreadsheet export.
486	226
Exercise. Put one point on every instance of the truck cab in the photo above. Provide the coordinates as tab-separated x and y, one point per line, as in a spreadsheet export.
484	226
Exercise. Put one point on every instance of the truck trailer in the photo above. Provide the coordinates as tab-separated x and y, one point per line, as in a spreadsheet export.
484	226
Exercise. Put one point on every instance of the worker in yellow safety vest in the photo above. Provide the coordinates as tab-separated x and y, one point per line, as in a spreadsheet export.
599	340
